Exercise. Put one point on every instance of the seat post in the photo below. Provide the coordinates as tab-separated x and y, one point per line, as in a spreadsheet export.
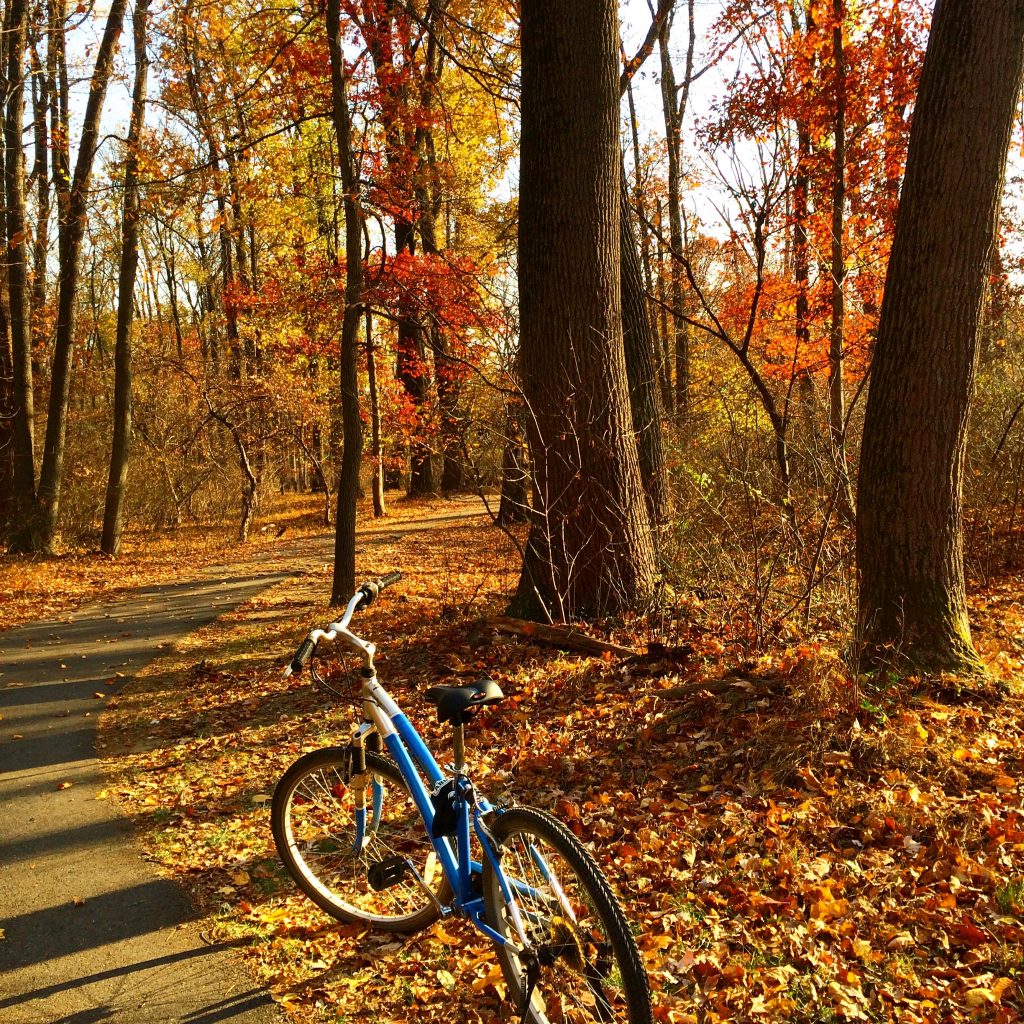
459	747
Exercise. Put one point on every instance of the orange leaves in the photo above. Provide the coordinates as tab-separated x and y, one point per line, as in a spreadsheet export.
827	909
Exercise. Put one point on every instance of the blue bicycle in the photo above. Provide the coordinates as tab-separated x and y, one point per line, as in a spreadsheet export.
396	842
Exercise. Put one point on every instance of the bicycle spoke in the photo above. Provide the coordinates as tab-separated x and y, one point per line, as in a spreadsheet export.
315	829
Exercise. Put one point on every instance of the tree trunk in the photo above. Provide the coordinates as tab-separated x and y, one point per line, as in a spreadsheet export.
836	394
673	108
642	371
70	250
113	515
913	606
447	371
645	250
41	175
413	373
344	583
590	549
376	448
801	245
25	526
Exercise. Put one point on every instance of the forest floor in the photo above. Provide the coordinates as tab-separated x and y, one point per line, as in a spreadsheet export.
790	843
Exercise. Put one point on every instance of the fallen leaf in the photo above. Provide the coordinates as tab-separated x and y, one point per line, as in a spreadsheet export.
977	997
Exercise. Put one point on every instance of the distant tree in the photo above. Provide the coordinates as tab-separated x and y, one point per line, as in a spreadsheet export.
590	548
909	512
113	515
352	429
21	397
74	212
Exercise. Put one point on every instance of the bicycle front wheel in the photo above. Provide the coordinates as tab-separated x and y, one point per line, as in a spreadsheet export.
583	964
316	829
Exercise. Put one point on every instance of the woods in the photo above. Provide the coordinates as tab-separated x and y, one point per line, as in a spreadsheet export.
461	247
416	223
669	350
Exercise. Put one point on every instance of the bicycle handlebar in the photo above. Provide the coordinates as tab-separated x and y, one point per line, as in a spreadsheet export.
372	588
366	594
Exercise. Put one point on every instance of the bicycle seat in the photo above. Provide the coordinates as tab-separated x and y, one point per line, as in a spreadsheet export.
457	704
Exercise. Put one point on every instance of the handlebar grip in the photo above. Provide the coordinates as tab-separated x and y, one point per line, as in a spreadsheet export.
303	654
372	588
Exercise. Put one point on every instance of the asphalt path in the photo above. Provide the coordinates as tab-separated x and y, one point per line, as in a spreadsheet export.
90	933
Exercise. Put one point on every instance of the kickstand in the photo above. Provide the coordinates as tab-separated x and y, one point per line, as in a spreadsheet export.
530	977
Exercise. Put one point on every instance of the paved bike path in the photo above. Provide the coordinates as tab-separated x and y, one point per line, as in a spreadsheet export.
90	933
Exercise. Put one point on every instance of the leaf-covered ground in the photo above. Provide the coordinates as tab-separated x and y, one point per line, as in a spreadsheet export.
791	844
39	587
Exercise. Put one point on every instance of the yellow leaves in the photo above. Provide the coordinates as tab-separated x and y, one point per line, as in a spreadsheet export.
826	908
439	933
493	978
975	998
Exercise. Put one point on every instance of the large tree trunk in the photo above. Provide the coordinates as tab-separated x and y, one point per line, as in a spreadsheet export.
344	583
909	524
51	474
590	548
117	479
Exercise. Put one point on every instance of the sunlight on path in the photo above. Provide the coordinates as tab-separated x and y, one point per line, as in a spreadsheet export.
89	932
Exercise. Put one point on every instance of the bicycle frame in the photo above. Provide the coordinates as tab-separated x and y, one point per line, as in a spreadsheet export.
381	715
412	756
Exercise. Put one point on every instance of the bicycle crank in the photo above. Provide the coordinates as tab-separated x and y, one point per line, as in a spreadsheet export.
391	871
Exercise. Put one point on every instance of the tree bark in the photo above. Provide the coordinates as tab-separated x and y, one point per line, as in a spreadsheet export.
913	606
117	479
344	583
51	475
590	549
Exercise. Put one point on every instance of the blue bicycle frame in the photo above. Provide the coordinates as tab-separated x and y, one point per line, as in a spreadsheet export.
412	756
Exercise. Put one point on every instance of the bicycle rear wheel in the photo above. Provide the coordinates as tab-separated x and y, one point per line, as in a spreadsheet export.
585	964
313	817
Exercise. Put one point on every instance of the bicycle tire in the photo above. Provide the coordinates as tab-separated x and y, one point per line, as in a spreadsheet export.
597	973
312	818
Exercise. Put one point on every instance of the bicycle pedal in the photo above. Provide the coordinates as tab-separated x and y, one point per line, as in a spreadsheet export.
386	873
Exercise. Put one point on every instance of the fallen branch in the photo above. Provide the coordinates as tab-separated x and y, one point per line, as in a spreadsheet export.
558	636
746	684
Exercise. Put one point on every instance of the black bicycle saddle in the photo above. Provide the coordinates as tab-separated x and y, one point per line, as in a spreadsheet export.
457	704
